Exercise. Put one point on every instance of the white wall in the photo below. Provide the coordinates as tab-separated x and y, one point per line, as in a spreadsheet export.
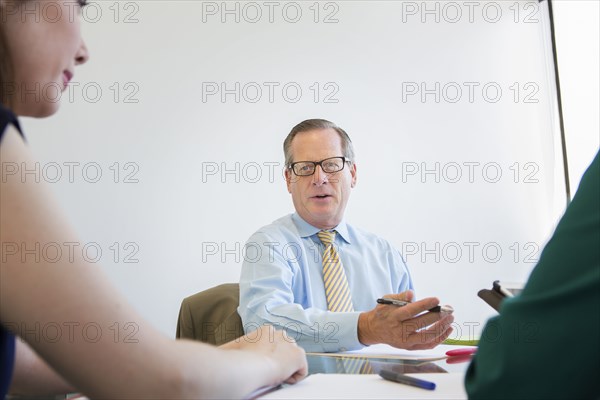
578	49
175	210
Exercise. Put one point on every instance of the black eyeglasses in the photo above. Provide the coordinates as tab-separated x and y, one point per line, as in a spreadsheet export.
328	165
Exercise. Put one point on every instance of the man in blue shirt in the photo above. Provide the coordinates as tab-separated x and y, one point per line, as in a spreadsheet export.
319	277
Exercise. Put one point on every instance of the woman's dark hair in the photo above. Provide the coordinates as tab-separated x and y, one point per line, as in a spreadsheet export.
6	68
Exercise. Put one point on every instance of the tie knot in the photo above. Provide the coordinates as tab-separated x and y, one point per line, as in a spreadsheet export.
326	237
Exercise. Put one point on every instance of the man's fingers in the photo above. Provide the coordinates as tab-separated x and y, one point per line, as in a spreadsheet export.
413	309
412	325
432	336
404	296
440	326
428	318
430	345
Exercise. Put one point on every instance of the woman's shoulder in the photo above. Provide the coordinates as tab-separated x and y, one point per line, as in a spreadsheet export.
7	117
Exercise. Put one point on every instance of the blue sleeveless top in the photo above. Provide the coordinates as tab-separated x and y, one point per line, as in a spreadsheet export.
7	339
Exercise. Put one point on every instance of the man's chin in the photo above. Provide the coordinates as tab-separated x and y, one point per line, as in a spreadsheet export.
323	220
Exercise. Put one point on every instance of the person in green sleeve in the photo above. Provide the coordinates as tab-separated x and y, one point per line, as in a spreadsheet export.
546	342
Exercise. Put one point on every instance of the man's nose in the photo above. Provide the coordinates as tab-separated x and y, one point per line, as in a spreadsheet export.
319	177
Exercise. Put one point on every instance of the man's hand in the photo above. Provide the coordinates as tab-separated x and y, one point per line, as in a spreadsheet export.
408	327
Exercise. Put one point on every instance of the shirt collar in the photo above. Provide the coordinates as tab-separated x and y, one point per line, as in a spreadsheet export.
306	230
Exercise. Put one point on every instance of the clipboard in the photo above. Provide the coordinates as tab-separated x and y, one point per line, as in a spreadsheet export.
493	297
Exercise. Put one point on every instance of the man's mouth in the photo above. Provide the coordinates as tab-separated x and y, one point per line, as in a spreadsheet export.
321	196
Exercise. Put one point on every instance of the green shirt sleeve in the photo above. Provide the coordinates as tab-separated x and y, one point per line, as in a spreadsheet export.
545	343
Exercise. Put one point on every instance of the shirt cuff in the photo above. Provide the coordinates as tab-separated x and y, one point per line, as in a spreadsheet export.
339	333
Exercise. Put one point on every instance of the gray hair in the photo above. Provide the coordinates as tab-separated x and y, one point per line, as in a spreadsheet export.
315	124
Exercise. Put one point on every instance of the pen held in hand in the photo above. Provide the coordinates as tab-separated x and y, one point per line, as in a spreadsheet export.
401	303
406	380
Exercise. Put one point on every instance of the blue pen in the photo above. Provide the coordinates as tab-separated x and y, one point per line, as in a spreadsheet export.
405	379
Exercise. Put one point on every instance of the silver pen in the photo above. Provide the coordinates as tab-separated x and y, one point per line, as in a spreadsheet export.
401	303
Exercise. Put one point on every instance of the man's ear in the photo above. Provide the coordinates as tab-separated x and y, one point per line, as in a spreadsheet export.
353	174
288	179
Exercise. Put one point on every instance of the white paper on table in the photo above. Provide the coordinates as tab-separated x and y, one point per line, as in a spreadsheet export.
346	386
386	351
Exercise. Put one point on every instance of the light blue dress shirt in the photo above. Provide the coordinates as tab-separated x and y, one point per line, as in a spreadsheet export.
282	281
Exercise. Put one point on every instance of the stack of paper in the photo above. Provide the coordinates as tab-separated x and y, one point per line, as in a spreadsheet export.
386	351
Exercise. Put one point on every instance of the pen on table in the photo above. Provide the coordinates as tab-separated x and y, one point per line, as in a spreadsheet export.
401	303
405	379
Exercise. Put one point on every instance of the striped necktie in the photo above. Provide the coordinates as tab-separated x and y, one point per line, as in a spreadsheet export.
337	291
339	299
354	365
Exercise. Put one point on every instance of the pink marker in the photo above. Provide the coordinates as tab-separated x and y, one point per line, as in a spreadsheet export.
462	352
